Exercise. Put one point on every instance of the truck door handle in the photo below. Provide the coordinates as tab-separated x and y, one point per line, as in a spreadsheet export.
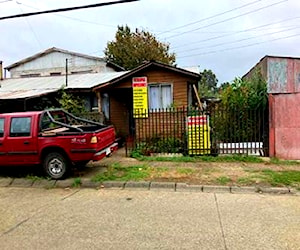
26	142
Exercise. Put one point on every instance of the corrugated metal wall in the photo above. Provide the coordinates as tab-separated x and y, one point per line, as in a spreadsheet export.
284	104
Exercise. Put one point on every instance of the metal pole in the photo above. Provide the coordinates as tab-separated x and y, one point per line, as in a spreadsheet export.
66	72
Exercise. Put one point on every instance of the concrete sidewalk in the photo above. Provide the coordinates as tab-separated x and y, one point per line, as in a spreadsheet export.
35	218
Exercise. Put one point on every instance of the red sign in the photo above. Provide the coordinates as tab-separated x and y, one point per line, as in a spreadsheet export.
139	82
197	120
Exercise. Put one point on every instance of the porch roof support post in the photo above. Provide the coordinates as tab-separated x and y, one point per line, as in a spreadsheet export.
98	94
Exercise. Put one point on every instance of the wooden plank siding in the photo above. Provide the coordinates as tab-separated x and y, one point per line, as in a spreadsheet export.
119	113
121	105
179	82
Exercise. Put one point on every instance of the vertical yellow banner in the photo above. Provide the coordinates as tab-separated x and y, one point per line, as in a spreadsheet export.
198	135
140	97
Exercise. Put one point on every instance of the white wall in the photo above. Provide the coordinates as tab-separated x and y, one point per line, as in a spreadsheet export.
55	62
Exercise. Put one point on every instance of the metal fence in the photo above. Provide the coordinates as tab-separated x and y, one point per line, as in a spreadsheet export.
191	131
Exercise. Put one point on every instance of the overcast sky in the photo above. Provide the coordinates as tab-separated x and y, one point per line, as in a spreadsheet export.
226	36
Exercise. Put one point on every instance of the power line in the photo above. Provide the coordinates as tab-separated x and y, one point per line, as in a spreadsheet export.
211	17
237	32
228	19
67	9
240	40
73	18
240	47
5	1
30	27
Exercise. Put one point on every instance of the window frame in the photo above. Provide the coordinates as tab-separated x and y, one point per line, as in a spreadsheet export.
20	133
30	75
2	132
159	84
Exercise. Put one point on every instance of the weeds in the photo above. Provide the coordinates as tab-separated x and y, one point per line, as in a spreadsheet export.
186	171
117	172
249	176
273	178
227	158
223	180
34	178
287	178
283	162
245	180
76	182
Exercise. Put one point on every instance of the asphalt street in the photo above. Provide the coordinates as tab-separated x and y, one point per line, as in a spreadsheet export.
36	218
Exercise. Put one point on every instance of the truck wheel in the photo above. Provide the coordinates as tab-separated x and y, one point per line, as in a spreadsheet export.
55	165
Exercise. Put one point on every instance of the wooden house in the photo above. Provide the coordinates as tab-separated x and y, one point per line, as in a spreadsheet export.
167	86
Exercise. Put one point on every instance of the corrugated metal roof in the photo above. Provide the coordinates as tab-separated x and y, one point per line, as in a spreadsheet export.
194	69
17	88
20	94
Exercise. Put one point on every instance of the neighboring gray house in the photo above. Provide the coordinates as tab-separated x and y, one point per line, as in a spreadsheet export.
43	74
54	62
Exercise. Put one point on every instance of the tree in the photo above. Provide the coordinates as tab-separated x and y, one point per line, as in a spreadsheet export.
208	83
71	103
245	102
223	86
246	93
130	49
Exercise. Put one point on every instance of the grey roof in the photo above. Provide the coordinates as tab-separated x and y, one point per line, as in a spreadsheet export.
147	65
17	88
194	69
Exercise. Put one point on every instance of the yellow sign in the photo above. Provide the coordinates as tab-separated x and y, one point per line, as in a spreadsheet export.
140	97
198	135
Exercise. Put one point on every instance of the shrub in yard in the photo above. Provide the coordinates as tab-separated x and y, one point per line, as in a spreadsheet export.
159	145
241	113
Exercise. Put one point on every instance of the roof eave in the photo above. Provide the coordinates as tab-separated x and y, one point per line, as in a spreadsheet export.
144	66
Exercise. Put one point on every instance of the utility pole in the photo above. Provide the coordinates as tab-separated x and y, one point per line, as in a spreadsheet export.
66	72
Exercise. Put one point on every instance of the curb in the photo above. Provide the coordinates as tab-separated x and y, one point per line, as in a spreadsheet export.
145	185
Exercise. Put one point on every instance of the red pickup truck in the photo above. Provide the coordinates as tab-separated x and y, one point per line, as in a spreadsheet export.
55	139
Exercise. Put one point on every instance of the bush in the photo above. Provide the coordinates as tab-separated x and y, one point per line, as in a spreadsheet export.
242	111
159	145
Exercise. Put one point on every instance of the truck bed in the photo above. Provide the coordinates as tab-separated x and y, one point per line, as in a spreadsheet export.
73	130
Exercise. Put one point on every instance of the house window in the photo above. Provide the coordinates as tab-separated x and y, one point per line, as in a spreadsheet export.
94	102
55	73
160	96
31	75
81	72
105	105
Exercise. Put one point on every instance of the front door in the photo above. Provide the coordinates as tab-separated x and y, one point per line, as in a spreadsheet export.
22	144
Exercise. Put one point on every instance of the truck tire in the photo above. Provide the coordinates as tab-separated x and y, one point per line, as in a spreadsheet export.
56	165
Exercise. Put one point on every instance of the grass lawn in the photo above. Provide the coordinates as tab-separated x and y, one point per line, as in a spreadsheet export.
231	170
